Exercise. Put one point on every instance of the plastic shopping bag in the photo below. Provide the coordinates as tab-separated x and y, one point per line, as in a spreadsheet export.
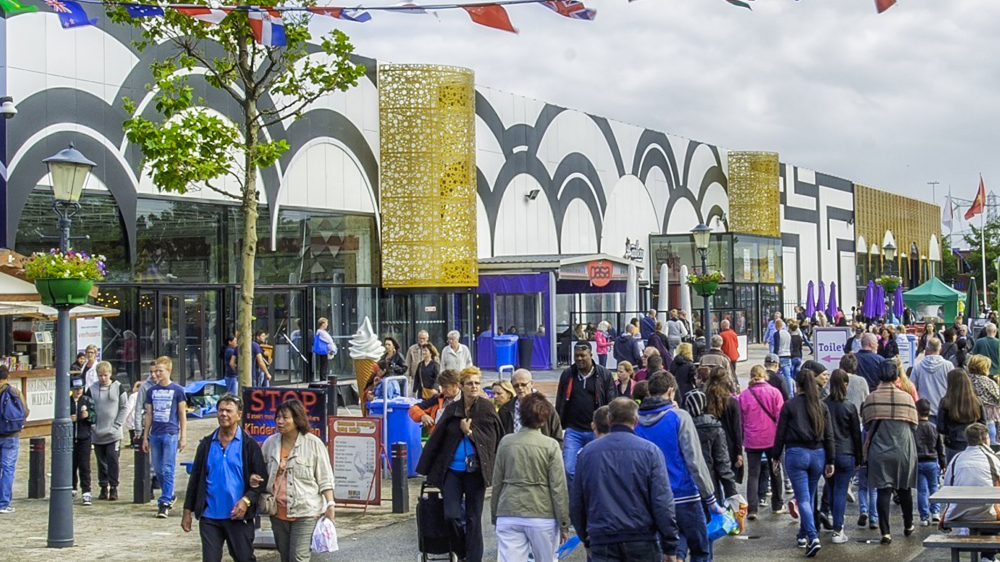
738	504
721	525
324	537
567	548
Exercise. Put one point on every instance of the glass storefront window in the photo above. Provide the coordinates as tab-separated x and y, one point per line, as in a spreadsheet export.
519	313
678	249
344	308
182	242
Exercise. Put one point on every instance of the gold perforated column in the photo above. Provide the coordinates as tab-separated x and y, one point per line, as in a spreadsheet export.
427	177
754	198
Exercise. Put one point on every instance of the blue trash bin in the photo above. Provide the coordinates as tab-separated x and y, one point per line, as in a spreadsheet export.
401	428
506	350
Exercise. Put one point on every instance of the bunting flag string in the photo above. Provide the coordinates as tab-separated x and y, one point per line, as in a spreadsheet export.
268	27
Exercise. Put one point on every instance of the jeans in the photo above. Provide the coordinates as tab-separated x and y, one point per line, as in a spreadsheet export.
928	473
692	533
805	467
232	385
866	496
992	427
293	539
602	358
8	460
796	364
467	522
884	502
238	535
754	493
162	457
517	539
786	371
107	464
843	472
573	441
635	551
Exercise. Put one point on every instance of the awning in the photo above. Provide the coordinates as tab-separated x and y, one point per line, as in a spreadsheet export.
39	310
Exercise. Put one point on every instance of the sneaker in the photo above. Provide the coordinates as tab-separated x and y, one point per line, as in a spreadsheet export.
863	520
104	493
751	516
803	542
886	539
824	520
763	502
779	510
793	509
924	523
873	523
6	510
935	517
839	537
908	531
163	511
813	549
851	498
87	499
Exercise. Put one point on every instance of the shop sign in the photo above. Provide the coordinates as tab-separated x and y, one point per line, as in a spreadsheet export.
746	264
39	396
260	405
599	272
354	455
633	251
88	332
770	265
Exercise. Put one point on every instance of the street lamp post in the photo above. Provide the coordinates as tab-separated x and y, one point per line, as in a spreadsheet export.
702	234
889	251
69	170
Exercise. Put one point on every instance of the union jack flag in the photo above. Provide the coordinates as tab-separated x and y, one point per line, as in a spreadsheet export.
571	9
58	6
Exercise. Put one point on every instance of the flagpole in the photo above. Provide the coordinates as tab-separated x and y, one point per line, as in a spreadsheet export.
982	240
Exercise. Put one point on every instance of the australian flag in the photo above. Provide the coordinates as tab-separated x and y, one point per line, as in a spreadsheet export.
71	14
144	11
571	9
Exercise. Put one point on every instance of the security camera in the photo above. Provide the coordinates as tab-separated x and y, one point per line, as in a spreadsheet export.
532	195
7	108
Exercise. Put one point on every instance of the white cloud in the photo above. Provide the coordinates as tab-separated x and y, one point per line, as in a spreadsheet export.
892	100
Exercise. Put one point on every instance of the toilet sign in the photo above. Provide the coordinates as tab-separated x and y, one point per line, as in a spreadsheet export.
828	344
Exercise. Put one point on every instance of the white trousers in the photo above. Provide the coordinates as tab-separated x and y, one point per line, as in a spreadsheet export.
519	536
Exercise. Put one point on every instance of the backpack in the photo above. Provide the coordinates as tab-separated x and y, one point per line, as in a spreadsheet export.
11	412
319	346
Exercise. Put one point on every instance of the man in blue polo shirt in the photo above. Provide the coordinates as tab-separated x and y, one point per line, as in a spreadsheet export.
219	493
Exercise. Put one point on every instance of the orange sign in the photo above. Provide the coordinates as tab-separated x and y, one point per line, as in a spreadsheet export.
599	273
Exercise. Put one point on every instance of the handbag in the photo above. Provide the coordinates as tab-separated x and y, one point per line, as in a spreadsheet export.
267	504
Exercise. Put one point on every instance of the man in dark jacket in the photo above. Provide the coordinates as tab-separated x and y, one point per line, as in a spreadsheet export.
869	360
220	493
647	326
627	347
774	377
583	387
510	413
622	506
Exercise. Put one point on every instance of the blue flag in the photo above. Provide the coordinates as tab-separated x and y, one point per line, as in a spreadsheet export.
71	14
144	11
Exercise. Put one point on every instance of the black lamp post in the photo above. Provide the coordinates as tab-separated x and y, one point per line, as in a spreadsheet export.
69	170
889	251
702	234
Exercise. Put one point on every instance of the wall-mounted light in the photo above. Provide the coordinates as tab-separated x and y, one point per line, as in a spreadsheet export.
531	195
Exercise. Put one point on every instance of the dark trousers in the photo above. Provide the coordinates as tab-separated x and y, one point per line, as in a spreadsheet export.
467	524
107	464
238	536
81	464
693	532
636	551
324	367
755	469
884	500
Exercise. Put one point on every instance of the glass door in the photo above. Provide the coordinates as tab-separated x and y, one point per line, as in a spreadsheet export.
183	326
279	314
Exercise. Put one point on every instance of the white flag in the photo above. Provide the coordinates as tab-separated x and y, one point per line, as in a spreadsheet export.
948	215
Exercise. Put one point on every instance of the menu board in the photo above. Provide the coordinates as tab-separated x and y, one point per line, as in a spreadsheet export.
354	454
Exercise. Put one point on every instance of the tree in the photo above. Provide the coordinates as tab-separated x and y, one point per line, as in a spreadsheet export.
973	240
192	148
949	262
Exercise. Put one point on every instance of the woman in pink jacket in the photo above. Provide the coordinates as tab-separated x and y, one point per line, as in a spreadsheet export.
603	343
760	405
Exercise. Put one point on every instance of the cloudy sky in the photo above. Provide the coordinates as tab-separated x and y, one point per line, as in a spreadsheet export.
893	100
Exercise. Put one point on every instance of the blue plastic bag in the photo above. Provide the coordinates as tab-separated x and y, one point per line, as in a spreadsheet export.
721	525
567	548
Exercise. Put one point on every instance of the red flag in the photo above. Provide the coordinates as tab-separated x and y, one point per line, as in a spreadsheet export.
207	15
979	203
883	5
490	15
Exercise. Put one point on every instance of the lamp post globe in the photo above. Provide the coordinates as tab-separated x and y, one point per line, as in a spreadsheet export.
69	170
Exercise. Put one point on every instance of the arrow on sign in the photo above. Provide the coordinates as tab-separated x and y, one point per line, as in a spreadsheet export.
829	358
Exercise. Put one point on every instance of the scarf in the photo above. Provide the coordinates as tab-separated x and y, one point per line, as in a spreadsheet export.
889	403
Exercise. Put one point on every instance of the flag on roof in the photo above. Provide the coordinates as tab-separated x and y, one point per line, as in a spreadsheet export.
571	9
13	7
883	5
71	14
143	10
359	16
207	15
490	15
267	26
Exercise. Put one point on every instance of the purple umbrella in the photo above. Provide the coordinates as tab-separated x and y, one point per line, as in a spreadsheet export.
869	306
831	307
821	303
810	301
897	302
879	301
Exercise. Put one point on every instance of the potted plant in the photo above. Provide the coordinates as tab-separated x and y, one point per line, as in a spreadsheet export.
705	284
889	282
64	278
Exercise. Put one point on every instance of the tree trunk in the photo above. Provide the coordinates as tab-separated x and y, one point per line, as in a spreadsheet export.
248	253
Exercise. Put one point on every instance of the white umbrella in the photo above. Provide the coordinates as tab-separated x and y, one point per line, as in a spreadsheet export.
664	303
685	292
632	289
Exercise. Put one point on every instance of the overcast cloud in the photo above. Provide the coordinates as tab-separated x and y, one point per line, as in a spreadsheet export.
892	100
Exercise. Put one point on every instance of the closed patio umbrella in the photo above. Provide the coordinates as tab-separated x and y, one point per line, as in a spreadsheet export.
972	310
810	300
869	306
897	302
831	307
821	303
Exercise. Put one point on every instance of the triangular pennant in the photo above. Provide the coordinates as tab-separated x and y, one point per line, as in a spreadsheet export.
490	15
207	15
883	5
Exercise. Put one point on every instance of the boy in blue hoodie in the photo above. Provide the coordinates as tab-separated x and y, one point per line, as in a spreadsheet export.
672	430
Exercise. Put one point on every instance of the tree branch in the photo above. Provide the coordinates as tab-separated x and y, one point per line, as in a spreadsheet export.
221	191
189	49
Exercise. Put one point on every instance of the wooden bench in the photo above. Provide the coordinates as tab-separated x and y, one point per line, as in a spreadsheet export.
975	544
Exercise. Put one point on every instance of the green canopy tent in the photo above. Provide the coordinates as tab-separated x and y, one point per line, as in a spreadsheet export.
926	299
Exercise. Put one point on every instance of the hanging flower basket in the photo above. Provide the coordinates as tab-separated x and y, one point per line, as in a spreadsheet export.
889	282
64	279
705	285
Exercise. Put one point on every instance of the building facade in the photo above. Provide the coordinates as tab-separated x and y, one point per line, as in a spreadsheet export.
556	190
